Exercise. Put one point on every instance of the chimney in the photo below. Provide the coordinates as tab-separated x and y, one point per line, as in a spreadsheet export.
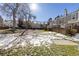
65	12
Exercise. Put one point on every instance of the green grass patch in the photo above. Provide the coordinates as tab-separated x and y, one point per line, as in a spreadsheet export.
52	50
9	31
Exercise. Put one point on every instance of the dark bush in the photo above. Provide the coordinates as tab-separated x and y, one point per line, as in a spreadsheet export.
71	31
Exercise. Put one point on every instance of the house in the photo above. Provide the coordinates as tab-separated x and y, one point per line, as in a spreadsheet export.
68	19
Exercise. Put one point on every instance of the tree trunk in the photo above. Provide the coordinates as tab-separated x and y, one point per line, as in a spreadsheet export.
14	16
14	20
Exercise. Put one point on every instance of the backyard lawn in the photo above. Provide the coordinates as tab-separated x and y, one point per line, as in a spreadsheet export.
52	50
40	44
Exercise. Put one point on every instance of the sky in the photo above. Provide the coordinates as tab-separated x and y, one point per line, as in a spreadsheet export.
44	11
51	10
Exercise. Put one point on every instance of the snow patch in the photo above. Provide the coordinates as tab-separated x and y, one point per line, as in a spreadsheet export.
35	38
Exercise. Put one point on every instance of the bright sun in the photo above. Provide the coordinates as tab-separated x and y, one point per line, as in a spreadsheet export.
33	7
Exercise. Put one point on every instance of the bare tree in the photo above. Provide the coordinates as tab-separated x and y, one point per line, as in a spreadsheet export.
49	20
15	10
34	17
20	23
29	25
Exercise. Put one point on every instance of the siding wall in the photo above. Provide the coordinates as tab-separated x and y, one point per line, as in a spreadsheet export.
64	20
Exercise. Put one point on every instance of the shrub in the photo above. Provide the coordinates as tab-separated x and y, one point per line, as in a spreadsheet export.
71	31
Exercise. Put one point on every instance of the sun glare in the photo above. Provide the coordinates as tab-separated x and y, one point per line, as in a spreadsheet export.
33	7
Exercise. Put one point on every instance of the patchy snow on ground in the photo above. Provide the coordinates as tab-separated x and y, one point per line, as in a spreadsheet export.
76	37
36	38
